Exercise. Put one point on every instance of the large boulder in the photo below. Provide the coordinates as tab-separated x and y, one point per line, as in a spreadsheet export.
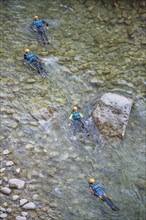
111	114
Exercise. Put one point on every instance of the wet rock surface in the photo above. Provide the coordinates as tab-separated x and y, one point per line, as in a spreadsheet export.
96	46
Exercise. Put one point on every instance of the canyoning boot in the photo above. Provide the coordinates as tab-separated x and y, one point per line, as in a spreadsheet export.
114	208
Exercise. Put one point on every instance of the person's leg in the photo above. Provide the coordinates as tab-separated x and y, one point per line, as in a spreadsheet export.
75	124
83	126
40	31
43	34
40	65
46	38
33	64
37	66
109	202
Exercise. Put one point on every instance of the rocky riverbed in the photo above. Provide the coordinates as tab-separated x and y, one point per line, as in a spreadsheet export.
96	47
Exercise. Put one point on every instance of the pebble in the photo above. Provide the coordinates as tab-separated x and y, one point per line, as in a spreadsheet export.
18	170
8	210
2	170
24	213
9	163
35	196
23	202
29	205
15	197
16	183
2	209
29	146
5	179
6	190
5	204
5	152
3	215
20	218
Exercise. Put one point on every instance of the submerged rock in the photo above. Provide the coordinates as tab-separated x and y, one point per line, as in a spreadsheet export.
6	190
3	215
111	114
41	112
16	183
29	205
20	218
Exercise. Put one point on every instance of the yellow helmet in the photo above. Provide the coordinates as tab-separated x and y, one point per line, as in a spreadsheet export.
92	180
36	17
27	50
75	108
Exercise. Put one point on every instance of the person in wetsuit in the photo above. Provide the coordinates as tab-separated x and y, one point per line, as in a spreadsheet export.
76	119
98	190
40	26
32	60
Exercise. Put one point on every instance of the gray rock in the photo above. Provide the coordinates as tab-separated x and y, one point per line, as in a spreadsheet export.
8	210
6	190
29	205
16	183
20	218
29	146
35	196
5	204
96	81
2	209
5	179
3	215
2	170
9	163
24	213
18	170
5	152
111	114
15	197
23	202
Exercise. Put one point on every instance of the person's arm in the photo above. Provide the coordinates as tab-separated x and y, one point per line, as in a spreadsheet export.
46	24
33	27
102	186
38	59
91	190
25	59
70	118
80	115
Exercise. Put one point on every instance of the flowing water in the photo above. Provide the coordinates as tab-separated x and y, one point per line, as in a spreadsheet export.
95	48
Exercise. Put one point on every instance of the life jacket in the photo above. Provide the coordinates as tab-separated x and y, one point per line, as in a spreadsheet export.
31	57
76	115
38	23
97	188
